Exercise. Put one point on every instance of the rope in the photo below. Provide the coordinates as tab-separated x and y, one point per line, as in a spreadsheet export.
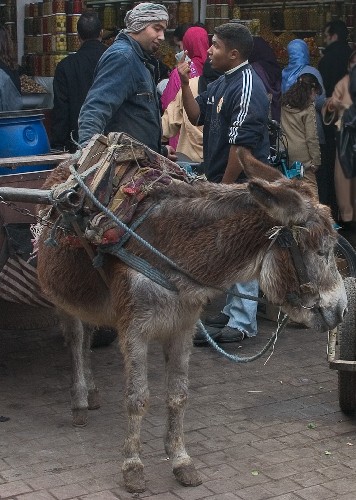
247	359
125	227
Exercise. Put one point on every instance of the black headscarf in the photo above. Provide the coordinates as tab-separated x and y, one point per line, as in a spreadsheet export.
208	76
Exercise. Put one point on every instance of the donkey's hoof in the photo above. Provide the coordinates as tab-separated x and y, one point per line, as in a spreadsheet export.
133	477
187	475
79	417
93	399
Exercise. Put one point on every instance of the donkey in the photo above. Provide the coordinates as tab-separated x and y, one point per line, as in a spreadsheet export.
217	235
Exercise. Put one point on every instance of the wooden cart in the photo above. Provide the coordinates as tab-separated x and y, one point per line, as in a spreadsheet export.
24	316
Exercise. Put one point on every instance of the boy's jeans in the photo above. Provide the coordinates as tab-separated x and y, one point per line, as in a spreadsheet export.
242	312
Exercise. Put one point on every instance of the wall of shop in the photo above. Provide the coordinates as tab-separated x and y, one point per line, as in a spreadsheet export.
48	34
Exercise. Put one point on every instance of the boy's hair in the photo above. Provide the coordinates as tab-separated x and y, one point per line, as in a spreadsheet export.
298	95
181	29
236	36
89	26
338	28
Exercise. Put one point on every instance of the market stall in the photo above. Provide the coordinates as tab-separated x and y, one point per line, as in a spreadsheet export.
45	32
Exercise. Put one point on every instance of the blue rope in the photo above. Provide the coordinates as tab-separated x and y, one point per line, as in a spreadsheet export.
246	359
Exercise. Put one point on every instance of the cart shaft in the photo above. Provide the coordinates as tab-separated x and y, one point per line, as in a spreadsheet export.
25	195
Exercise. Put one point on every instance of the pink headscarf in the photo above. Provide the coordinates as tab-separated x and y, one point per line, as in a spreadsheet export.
196	42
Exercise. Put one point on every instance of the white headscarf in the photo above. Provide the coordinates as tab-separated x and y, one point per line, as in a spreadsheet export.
144	14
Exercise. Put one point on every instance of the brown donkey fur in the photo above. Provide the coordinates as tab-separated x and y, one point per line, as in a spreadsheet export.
219	235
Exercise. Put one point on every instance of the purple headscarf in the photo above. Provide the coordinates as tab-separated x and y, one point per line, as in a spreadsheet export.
264	62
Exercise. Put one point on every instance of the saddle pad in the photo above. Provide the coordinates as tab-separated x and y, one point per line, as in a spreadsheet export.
121	172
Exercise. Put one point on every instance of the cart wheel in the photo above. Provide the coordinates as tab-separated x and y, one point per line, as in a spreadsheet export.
347	342
345	255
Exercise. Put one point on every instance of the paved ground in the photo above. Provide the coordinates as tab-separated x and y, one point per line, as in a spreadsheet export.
256	431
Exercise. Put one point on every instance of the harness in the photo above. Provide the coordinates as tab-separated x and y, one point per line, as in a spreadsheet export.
286	239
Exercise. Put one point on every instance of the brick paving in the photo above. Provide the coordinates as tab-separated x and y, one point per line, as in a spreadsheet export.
256	431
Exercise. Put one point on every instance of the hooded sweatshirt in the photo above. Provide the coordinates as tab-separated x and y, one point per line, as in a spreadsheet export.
300	129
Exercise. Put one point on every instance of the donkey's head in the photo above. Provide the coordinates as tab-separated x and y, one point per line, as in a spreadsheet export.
299	270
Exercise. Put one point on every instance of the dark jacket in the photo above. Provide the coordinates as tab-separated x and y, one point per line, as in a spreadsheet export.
234	111
123	97
72	80
333	65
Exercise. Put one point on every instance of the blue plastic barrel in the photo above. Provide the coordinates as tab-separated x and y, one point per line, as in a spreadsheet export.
22	133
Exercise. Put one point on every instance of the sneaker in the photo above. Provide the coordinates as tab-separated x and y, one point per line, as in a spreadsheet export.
200	338
218	321
228	334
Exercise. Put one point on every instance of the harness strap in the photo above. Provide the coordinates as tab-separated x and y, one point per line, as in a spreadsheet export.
286	240
142	266
137	263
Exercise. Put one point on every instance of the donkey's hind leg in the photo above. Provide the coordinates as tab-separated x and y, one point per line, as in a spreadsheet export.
78	340
134	350
177	352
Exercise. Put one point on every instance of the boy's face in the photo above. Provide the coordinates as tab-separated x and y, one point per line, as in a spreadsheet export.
220	56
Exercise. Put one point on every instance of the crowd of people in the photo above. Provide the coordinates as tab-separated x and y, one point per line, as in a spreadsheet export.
219	98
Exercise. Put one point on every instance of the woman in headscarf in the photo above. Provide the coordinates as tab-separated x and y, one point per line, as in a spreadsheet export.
264	62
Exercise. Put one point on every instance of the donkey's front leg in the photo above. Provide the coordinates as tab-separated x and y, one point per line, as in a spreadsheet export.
134	349
177	352
75	336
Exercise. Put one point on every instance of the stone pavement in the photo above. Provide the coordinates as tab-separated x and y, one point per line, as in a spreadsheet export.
256	431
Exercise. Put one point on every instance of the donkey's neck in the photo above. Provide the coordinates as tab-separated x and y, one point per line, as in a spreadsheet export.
218	236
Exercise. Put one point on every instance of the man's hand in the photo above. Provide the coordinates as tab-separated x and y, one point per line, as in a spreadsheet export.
183	68
171	153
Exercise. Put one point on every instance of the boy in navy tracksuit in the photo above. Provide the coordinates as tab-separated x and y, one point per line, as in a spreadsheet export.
234	111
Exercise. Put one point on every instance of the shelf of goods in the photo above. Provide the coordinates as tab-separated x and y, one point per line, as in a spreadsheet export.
50	29
8	15
112	15
281	22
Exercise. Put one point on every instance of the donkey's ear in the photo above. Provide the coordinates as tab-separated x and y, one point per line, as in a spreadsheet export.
280	201
256	169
